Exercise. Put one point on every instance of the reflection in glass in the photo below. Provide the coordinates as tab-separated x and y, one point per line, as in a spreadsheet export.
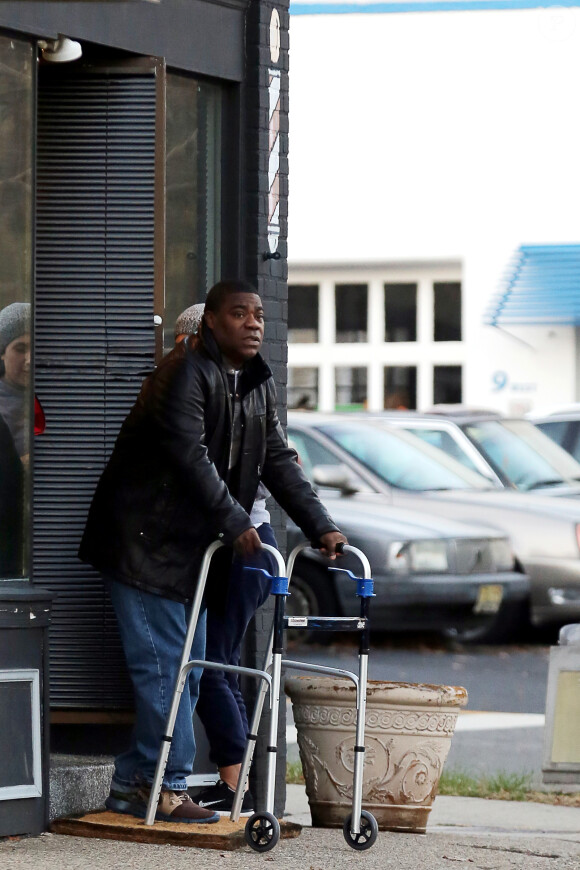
15	372
193	216
17	63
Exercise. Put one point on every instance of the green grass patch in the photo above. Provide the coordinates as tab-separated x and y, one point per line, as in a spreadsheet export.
499	786
294	775
507	786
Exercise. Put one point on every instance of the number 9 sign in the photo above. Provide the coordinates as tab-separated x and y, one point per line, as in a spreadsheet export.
499	381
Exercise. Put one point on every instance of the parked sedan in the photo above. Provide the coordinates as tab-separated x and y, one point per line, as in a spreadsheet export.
545	532
430	573
563	428
511	453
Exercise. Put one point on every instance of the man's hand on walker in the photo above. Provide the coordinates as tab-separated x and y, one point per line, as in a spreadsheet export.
248	543
328	543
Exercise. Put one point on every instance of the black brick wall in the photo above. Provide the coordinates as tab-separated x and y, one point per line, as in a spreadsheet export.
270	277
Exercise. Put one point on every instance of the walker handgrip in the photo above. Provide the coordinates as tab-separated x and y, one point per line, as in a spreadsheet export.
339	548
364	586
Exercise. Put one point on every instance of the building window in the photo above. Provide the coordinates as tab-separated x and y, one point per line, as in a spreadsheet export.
447	310
351	301
350	388
400	387
18	64
400	312
447	388
302	388
193	213
303	313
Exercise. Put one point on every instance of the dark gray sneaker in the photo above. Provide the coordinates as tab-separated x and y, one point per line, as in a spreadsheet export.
220	798
173	806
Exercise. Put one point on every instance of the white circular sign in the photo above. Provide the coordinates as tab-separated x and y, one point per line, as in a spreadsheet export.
275	36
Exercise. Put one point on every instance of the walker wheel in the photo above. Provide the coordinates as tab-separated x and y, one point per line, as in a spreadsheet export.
262	832
368	832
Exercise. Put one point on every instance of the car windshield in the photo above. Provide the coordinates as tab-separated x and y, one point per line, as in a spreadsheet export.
445	442
401	459
526	456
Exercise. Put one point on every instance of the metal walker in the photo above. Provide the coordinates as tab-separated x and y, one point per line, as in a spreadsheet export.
262	830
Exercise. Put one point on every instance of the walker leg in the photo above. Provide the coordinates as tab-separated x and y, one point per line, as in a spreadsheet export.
182	676
275	639
273	741
164	749
359	749
251	741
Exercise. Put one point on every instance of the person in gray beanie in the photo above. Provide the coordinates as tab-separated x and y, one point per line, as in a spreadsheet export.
15	370
188	321
14	322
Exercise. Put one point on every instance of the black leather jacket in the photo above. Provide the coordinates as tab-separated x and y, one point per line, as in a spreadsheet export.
163	496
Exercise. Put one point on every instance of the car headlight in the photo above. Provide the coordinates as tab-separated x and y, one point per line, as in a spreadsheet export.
417	556
502	554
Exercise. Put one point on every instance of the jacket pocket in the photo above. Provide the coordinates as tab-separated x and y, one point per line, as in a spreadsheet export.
156	524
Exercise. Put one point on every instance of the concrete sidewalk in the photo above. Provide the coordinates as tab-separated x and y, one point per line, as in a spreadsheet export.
463	832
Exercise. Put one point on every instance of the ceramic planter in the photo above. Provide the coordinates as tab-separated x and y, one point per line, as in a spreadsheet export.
408	734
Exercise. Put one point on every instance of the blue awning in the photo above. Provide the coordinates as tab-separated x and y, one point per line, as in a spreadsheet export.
376	7
541	286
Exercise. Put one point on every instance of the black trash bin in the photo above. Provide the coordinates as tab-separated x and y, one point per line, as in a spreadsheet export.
24	619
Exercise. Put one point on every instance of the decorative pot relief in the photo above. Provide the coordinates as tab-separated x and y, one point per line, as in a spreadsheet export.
409	779
408	733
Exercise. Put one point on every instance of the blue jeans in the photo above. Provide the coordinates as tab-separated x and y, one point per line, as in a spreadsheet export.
221	706
153	632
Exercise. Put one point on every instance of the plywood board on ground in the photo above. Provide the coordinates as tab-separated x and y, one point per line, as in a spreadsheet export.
106	825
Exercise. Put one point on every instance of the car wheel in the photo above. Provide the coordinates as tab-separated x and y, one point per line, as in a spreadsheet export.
506	626
311	594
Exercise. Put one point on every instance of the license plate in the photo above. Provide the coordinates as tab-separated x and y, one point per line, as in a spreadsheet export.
489	599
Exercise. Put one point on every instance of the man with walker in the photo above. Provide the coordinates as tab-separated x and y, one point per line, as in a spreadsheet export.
184	471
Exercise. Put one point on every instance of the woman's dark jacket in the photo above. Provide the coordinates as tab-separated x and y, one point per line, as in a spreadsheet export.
11	506
163	496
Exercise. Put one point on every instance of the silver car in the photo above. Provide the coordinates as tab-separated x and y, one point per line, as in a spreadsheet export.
545	532
562	427
511	453
430	573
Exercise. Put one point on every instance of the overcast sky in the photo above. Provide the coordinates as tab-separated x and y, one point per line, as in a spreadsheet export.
425	134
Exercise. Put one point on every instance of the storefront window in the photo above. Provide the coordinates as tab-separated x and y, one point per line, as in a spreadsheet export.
447	311
350	388
303	313
447	385
400	387
351	301
302	388
400	312
193	212
17	66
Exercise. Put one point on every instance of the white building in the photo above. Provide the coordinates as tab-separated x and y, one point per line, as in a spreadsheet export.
426	149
